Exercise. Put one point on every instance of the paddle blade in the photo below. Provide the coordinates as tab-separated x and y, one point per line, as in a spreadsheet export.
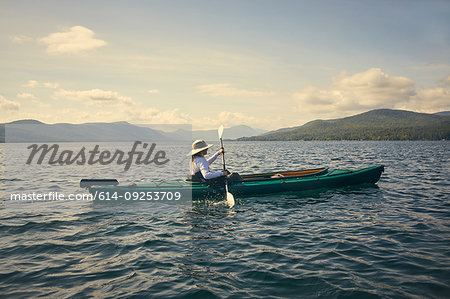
230	199
220	131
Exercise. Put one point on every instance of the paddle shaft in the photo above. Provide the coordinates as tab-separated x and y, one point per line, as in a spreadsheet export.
230	197
223	164
223	154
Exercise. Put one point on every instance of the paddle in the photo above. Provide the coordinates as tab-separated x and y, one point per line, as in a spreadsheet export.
230	197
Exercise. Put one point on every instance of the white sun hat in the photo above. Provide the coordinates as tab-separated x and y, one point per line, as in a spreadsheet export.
199	146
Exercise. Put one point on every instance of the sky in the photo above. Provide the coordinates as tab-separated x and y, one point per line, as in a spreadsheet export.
266	64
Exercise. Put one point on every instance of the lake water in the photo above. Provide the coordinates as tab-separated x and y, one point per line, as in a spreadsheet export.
387	241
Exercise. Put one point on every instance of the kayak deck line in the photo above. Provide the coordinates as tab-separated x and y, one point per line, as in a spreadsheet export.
284	174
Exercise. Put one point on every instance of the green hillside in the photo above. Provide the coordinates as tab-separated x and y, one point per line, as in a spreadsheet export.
383	124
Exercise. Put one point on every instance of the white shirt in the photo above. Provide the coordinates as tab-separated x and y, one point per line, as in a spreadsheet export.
201	164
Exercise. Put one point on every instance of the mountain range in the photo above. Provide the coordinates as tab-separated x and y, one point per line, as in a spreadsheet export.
381	124
29	130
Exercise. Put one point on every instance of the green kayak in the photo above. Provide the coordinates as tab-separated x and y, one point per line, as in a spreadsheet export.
245	185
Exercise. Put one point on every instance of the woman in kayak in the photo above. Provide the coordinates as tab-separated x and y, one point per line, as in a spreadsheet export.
200	165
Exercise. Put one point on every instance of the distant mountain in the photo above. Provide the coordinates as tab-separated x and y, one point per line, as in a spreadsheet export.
36	131
26	122
442	113
229	133
29	130
381	124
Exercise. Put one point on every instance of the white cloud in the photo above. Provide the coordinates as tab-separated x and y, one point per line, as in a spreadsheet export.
446	81
20	39
34	84
228	119
152	91
52	85
132	115
31	84
235	118
26	95
430	100
75	40
368	90
176	116
96	96
155	116
225	90
8	105
363	91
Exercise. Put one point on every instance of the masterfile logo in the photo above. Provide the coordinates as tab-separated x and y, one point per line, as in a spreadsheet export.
95	156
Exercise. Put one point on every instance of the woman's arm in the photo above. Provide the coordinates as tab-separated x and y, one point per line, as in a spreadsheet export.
206	172
214	157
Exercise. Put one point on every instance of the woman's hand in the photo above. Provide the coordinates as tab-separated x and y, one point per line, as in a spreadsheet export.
221	151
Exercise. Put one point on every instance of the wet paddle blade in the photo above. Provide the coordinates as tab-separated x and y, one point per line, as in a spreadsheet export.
230	199
220	131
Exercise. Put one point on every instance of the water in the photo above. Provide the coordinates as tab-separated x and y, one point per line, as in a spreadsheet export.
387	241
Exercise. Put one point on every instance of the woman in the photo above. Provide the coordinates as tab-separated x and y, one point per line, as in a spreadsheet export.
200	165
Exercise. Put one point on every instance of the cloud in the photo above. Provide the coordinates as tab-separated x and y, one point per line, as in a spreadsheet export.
446	82
363	91
368	90
155	116
130	114
235	118
430	100
96	96
152	91
34	84
225	90
228	119
176	116
26	95
75	40
8	105
31	84
52	85
20	39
